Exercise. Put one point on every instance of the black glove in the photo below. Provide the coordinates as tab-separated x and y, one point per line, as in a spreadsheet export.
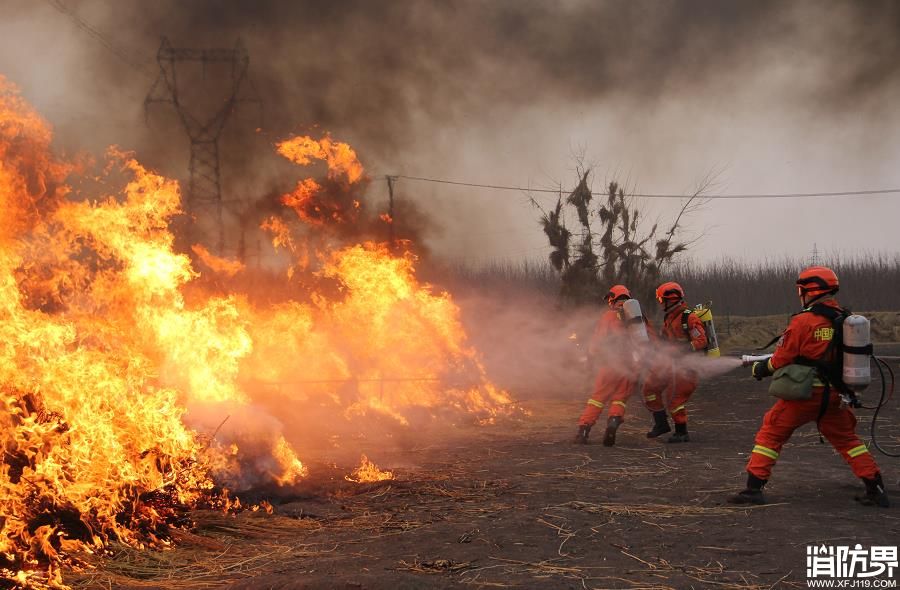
760	369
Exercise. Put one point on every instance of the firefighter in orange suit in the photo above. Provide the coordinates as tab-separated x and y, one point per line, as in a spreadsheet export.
685	331
614	352
810	340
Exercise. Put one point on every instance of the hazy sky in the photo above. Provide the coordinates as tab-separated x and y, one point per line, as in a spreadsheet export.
769	96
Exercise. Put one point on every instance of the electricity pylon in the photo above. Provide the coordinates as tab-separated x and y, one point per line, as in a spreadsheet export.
203	122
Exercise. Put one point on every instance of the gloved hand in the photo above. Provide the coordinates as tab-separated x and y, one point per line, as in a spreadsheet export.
760	369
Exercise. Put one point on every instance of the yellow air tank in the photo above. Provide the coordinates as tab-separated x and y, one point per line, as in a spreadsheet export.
704	314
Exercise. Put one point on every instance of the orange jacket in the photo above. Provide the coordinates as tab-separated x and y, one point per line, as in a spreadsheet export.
611	344
609	326
674	331
807	335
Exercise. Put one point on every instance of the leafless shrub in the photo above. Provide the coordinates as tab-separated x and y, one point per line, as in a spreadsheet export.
611	244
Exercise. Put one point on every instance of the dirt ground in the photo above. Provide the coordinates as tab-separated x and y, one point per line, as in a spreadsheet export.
517	505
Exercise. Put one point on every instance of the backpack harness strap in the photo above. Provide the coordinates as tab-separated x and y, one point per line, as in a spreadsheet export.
826	367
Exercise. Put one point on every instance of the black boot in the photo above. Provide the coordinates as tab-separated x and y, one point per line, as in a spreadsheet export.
875	494
609	439
582	437
753	494
681	434
660	424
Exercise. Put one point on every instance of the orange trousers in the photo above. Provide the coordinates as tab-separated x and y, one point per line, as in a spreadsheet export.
675	390
610	388
838	425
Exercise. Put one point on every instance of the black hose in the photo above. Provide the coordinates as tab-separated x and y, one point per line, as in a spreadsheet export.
881	403
863	406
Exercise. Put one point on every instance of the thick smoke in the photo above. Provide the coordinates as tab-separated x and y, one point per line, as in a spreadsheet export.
379	70
537	350
431	87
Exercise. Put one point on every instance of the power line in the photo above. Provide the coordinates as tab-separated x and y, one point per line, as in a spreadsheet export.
857	193
97	35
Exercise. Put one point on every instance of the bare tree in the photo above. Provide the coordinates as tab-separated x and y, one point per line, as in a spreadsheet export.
611	245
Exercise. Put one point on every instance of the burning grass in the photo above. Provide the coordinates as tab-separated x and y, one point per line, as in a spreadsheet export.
127	394
368	472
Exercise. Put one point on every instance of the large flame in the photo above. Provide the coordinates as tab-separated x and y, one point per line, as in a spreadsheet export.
397	342
130	393
94	442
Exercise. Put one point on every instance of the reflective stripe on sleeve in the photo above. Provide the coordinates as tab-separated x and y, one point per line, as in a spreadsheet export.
618	403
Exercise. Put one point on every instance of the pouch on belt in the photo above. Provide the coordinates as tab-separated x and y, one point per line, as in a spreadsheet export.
793	382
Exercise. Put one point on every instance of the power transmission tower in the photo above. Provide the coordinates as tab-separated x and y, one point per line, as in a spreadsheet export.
203	117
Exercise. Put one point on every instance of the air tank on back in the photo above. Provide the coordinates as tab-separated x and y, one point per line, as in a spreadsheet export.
635	320
704	314
857	342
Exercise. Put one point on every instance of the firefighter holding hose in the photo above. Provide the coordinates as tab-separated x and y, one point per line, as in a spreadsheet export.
613	346
668	380
810	382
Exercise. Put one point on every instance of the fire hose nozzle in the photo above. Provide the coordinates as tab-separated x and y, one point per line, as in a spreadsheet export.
749	359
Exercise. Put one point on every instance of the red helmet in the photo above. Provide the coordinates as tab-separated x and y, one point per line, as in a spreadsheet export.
617	294
669	292
816	281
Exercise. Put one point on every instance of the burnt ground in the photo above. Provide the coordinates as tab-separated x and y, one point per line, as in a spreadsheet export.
517	505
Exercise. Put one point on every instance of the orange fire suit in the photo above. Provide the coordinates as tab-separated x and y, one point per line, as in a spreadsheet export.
615	382
666	380
808	335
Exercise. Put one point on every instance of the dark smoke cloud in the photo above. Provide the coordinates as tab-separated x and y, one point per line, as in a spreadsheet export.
388	75
376	67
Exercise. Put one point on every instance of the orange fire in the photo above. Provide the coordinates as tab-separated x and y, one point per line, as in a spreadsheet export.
368	472
303	201
340	157
217	264
314	203
102	361
396	342
128	394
